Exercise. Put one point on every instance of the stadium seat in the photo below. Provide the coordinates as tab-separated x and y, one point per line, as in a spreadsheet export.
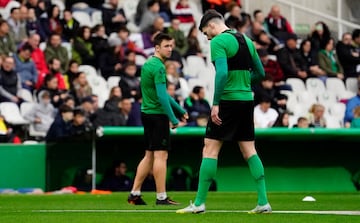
306	99
113	81
96	18
338	87
315	85
83	18
140	60
89	70
42	46
59	3
11	113
326	98
195	65
333	122
99	87
297	84
337	110
24	109
68	47
352	84
25	95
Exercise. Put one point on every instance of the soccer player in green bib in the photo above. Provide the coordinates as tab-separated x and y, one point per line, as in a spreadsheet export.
156	111
237	64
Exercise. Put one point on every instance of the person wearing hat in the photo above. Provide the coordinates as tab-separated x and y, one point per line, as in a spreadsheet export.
290	59
237	65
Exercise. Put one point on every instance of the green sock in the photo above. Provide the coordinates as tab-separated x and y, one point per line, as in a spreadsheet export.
207	174
257	171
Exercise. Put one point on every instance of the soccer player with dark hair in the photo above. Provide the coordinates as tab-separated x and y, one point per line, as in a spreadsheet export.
237	64
156	111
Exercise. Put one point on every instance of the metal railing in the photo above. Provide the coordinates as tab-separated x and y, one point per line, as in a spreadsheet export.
341	23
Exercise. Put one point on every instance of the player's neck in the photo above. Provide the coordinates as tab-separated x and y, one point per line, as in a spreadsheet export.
221	28
159	56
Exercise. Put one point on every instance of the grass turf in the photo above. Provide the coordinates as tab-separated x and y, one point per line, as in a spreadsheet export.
112	208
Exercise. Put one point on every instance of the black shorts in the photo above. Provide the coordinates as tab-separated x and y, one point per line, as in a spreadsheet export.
156	131
237	122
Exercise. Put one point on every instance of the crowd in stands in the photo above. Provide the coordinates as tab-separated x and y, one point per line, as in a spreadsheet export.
45	50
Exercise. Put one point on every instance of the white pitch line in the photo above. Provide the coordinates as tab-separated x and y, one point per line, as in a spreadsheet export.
209	211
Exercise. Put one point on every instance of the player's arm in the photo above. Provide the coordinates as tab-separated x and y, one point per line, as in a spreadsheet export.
176	106
164	101
221	68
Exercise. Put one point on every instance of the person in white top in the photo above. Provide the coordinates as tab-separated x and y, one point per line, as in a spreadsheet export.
264	115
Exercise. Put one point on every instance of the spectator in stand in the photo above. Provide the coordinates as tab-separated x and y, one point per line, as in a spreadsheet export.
114	98
243	25
197	106
329	62
113	17
254	31
234	15
25	67
193	43
176	58
82	50
69	101
165	10
116	179
266	89
51	22
43	113
316	116
183	12
264	115
348	57
140	10
55	50
181	85
81	88
128	45
51	85
87	105
282	120
39	6
351	104
60	129
7	41
311	60
70	26
125	106
175	32
17	25
100	45
111	63
355	123
356	40
33	25
278	25
319	36
265	41
70	74
302	122
149	35
81	127
290	59
129	83
37	55
218	5
54	68
258	16
149	16
10	82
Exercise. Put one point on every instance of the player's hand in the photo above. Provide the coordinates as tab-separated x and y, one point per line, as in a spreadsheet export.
215	115
185	117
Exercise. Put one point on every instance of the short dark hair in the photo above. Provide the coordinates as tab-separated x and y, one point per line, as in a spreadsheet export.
209	15
26	46
355	33
79	111
65	108
13	9
256	11
160	37
197	89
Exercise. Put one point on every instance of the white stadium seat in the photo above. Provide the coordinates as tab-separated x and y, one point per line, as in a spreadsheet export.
315	85
296	84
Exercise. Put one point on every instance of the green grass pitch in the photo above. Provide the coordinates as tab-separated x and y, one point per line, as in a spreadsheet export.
222	207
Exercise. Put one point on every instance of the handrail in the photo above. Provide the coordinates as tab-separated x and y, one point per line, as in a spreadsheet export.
341	22
337	19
